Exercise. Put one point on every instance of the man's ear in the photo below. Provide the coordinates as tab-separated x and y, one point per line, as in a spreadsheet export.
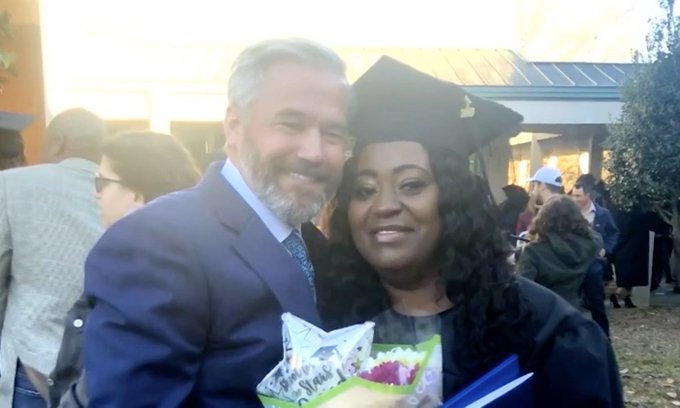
233	127
54	148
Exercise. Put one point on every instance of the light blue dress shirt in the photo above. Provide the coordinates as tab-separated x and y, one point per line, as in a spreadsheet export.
279	229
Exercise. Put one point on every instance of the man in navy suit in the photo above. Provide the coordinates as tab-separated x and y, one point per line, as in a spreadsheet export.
188	291
602	222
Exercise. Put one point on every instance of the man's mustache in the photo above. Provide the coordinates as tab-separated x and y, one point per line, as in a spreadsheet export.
317	172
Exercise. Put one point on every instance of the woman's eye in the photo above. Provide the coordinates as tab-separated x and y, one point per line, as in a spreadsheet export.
412	186
363	192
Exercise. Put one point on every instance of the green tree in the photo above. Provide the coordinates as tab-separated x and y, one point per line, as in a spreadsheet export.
645	145
6	57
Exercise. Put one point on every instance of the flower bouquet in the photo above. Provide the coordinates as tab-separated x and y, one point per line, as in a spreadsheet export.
343	369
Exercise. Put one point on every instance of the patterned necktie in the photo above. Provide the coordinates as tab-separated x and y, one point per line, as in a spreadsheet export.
297	249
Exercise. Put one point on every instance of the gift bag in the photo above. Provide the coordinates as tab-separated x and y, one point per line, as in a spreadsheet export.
342	369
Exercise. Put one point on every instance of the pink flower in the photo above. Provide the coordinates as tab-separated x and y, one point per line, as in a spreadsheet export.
392	373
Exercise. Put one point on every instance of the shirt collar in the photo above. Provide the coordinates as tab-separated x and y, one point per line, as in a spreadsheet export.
592	207
77	163
279	229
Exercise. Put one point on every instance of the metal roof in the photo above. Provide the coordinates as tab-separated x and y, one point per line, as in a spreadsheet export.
504	74
494	67
492	73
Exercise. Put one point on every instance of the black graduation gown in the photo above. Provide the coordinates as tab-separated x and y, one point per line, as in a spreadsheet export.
631	255
317	247
572	360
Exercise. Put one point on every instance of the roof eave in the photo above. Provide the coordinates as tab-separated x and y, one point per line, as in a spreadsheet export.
546	93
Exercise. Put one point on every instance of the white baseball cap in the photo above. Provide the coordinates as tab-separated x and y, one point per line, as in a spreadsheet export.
548	175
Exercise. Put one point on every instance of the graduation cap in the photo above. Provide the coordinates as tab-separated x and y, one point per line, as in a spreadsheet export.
11	124
399	103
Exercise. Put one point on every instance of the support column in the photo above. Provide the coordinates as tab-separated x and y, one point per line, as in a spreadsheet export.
496	158
642	294
595	155
159	112
536	154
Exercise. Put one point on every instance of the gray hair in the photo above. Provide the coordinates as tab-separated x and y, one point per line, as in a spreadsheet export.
250	66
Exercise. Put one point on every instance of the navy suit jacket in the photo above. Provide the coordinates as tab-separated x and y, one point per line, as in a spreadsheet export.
188	294
604	224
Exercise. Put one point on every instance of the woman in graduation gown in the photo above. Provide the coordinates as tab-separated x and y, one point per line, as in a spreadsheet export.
416	247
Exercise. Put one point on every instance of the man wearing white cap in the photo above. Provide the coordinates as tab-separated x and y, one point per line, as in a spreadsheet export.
545	184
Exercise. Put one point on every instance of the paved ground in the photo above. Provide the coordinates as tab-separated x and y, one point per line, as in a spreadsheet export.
664	296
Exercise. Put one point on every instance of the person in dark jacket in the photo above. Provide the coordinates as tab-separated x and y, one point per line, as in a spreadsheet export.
563	249
589	200
602	222
515	203
136	168
631	257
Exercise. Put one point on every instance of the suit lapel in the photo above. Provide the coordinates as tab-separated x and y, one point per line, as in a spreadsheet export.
270	260
597	219
259	249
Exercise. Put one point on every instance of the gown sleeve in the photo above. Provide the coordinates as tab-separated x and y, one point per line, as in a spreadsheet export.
578	368
572	360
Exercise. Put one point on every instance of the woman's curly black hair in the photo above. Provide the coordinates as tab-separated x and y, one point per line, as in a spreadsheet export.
474	266
560	216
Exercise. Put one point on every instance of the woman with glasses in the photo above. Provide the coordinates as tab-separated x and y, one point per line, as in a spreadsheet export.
136	168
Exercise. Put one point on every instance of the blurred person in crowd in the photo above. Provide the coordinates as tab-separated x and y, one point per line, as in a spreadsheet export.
631	256
545	185
515	204
602	222
525	217
562	250
598	196
49	220
600	193
136	168
663	248
11	142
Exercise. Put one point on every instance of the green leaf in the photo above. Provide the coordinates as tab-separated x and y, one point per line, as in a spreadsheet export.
6	59
644	160
5	26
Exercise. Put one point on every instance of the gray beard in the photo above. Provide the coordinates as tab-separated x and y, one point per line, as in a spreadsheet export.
294	211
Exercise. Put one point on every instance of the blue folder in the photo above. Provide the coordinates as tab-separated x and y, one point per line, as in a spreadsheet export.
501	387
